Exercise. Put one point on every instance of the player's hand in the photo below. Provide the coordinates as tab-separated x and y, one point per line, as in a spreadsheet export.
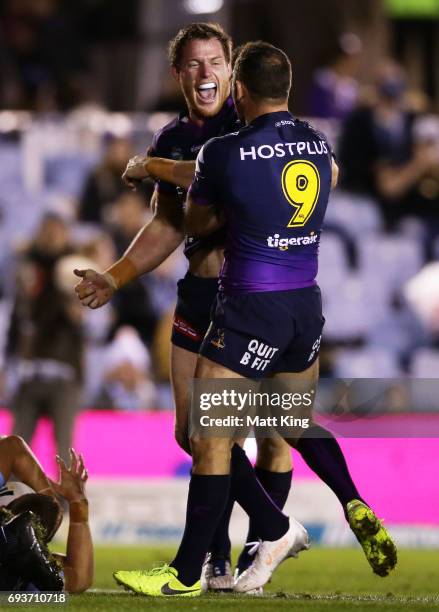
95	289
135	171
72	479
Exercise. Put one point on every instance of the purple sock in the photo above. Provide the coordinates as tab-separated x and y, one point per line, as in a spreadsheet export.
277	485
207	499
270	523
221	545
322	453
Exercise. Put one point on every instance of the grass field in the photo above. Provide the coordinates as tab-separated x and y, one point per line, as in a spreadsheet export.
320	580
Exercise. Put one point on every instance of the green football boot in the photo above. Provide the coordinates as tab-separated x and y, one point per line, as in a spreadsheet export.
375	540
159	582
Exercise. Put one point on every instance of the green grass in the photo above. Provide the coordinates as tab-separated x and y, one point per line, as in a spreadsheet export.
320	580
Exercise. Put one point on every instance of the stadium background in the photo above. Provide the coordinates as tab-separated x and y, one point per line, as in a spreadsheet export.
84	85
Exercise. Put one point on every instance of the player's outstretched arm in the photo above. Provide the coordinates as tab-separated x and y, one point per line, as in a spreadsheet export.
179	173
152	245
78	562
17	458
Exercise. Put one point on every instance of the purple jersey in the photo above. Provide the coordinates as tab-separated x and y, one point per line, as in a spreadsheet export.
272	179
181	139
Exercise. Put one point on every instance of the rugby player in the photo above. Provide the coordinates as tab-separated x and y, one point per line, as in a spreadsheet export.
17	462
200	57
270	183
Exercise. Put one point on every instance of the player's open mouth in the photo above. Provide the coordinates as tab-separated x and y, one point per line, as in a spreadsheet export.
207	92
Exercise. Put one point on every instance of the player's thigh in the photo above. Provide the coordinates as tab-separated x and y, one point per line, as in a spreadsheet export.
274	454
307	378
206	368
191	321
304	382
183	364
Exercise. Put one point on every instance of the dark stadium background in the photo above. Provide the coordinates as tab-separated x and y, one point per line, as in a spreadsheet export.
83	86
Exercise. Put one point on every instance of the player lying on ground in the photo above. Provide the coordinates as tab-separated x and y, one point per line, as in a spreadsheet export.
200	58
18	463
272	178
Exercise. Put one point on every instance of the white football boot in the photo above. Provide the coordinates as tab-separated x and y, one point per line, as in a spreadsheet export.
217	577
253	548
270	555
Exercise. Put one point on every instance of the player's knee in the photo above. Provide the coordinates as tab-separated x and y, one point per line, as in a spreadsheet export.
210	456
274	454
17	444
272	447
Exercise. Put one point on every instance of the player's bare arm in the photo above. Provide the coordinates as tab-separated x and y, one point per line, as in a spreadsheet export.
179	173
17	458
78	563
201	220
152	245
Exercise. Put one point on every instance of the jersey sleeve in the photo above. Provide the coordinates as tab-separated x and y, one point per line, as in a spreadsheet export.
205	186
159	148
323	138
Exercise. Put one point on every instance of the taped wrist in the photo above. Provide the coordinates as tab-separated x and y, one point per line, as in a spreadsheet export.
78	511
121	273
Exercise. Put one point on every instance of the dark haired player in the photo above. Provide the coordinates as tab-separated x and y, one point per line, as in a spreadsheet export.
17	459
270	182
200	57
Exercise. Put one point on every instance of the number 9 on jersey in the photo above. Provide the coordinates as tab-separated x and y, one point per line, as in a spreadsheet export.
301	187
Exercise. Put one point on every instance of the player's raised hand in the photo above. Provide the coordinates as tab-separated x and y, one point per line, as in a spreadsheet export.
72	479
135	171
95	289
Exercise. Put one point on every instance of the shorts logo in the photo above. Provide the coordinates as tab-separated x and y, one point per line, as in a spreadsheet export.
315	348
185	328
258	355
219	342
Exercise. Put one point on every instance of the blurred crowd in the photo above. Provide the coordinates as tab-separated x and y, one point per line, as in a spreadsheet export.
51	52
379	264
63	206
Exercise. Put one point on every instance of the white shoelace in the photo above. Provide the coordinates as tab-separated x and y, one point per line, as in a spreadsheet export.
254	547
